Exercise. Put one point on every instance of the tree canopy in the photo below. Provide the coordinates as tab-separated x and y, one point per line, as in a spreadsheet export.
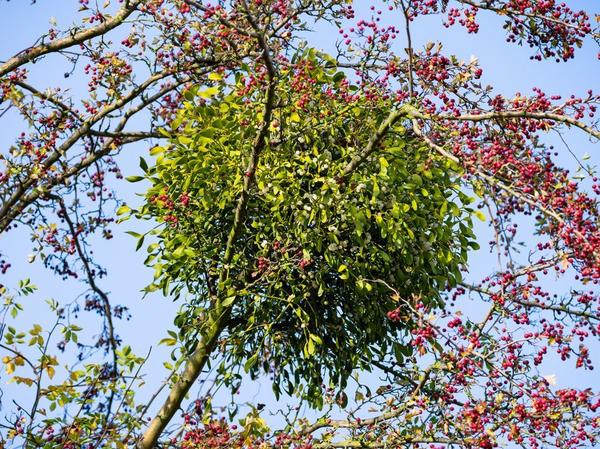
318	217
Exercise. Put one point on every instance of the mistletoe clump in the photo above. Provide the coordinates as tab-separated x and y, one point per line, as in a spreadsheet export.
329	225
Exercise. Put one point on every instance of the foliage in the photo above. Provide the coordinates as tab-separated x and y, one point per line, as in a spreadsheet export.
321	241
313	216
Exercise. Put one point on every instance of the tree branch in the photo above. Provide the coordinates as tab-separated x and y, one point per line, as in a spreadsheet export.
218	318
32	53
11	207
504	115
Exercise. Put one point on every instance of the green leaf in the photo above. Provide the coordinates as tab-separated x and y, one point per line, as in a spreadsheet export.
143	164
124	209
309	348
157	150
168	341
316	339
139	243
250	363
228	301
339	76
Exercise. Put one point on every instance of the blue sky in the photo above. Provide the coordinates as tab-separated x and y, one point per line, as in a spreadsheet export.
507	67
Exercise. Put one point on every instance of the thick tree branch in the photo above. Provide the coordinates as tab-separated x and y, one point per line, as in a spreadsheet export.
32	53
374	142
507	115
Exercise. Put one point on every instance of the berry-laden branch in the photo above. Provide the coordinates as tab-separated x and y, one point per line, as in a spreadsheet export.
314	214
508	115
30	190
494	181
32	53
76	230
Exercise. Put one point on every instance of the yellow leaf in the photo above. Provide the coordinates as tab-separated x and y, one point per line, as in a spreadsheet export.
210	92
309	348
24	380
168	342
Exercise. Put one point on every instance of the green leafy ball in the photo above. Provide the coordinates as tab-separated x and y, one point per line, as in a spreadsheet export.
324	252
